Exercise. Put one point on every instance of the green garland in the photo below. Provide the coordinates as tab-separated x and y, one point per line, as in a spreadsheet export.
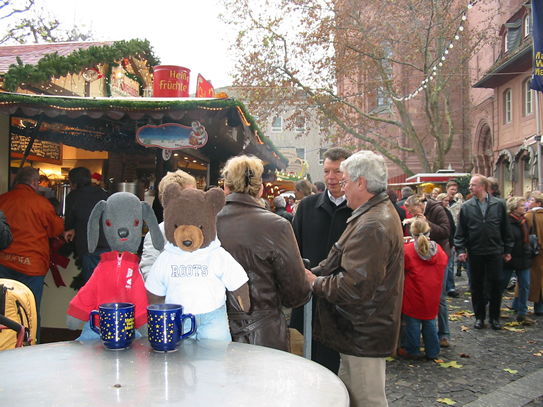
54	65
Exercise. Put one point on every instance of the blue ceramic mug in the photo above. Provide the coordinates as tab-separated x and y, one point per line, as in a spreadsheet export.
116	330
165	326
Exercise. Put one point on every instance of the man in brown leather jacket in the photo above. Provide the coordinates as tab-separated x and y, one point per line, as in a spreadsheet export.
360	284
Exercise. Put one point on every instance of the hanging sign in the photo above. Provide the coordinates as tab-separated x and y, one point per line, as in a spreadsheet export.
166	154
173	136
537	75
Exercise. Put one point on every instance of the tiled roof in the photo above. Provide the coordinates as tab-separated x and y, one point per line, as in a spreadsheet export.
32	53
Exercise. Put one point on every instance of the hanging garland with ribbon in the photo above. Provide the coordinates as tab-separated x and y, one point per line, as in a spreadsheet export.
56	66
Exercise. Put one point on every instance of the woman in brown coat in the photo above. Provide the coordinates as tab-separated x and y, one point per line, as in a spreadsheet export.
434	213
265	245
536	271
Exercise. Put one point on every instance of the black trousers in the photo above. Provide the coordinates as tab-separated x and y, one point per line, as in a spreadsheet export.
486	268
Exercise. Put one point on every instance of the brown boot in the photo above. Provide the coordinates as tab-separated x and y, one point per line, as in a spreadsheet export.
524	320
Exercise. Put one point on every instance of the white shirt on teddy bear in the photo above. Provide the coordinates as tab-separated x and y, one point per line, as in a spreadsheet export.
197	279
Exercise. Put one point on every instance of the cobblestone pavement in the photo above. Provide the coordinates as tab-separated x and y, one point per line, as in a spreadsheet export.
488	360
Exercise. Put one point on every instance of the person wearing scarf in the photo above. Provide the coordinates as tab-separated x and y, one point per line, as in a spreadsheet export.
520	257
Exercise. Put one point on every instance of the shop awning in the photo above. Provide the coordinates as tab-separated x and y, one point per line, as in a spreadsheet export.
110	124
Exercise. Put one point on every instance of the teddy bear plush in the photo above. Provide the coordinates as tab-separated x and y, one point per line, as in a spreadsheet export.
194	270
117	277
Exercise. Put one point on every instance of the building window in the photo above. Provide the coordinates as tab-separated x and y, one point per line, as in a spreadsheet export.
382	97
321	155
526	167
505	42
300	124
527	25
300	153
277	125
508	106
528	97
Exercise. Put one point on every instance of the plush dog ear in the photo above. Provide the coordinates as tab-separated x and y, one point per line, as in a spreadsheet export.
217	198
93	226
150	219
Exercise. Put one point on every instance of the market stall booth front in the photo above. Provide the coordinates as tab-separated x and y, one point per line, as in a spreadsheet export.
120	139
129	131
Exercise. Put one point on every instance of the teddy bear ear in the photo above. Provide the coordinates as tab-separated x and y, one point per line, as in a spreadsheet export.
171	191
217	198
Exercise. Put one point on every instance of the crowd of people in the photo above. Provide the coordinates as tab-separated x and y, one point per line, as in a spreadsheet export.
379	269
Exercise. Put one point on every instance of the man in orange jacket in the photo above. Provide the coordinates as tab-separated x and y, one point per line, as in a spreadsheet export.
33	221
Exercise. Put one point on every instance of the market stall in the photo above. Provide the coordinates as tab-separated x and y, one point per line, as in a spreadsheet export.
110	125
100	133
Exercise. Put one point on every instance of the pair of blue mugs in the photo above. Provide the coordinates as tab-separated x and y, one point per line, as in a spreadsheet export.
165	324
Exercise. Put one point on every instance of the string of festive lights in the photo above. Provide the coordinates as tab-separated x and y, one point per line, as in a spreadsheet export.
424	84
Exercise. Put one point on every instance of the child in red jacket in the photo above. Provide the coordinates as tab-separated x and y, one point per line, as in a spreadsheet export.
425	263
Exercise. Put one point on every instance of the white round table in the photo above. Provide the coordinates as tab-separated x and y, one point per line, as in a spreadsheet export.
202	373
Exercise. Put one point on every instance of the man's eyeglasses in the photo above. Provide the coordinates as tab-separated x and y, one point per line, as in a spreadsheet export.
342	182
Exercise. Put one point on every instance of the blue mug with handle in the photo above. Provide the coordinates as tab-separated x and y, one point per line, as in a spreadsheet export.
117	329
165	325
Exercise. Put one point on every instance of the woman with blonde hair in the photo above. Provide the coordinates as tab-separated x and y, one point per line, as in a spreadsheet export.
265	245
425	263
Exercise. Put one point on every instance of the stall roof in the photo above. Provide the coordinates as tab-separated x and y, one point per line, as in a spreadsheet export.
110	124
440	177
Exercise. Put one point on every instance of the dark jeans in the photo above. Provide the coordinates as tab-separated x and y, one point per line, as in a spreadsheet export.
35	283
90	261
486	267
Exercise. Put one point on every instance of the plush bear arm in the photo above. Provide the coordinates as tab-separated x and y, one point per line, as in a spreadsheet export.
143	330
155	299
242	295
73	323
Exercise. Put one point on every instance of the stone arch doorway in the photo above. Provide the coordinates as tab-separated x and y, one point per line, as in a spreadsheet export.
483	161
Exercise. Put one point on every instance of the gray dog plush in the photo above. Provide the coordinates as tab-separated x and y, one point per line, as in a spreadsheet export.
117	277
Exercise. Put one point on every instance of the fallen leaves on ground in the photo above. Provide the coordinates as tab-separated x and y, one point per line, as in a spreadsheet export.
514	329
458	315
510	371
390	359
537	354
514	323
464	313
465	328
465	355
439	361
452	364
447	401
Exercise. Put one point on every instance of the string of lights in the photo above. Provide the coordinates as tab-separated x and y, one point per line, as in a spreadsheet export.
434	70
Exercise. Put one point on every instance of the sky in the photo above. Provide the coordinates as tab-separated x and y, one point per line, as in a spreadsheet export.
182	32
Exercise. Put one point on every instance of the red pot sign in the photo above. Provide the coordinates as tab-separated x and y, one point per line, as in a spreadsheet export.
171	81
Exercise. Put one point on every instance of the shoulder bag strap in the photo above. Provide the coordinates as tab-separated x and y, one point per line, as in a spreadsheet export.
534	224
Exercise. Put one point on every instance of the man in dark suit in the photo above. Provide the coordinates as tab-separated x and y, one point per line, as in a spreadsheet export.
319	222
